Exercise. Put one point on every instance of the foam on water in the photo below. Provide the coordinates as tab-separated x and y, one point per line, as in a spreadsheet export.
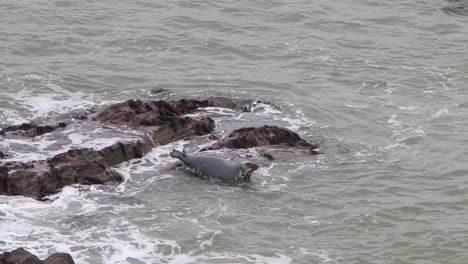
11	117
440	113
52	102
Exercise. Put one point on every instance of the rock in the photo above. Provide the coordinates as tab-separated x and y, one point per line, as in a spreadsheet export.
142	125
41	178
83	166
186	106
124	151
3	155
179	128
19	256
202	127
136	113
22	256
262	136
59	258
158	90
30	130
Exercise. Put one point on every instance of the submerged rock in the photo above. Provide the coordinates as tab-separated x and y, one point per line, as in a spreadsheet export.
263	136
3	155
22	256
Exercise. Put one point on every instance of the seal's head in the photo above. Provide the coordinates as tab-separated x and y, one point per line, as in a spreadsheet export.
246	170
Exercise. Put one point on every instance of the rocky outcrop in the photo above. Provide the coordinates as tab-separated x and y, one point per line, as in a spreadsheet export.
134	128
30	129
22	256
263	136
40	178
136	113
151	123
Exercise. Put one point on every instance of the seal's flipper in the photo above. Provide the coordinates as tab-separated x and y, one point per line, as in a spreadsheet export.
178	155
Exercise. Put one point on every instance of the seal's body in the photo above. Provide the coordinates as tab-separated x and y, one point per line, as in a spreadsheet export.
216	168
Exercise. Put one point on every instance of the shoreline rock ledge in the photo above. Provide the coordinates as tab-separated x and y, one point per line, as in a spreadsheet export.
22	256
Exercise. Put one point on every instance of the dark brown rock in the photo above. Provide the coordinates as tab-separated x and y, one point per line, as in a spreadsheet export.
84	166
136	113
124	151
3	155
59	258
180	128
30	129
186	106
202	127
262	136
19	256
40	178
243	105
22	256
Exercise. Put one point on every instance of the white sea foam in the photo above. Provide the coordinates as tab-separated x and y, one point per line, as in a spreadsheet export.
440	113
323	255
394	122
50	103
11	117
408	108
351	105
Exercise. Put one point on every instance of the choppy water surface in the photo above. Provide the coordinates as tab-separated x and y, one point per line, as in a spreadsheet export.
382	85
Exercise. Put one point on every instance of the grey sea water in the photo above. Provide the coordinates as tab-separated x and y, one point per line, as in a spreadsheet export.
381	85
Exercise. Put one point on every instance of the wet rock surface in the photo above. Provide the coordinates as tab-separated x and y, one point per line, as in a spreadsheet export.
263	136
22	256
40	178
135	126
136	113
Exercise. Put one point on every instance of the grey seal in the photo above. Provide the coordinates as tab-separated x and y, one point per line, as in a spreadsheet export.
216	168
